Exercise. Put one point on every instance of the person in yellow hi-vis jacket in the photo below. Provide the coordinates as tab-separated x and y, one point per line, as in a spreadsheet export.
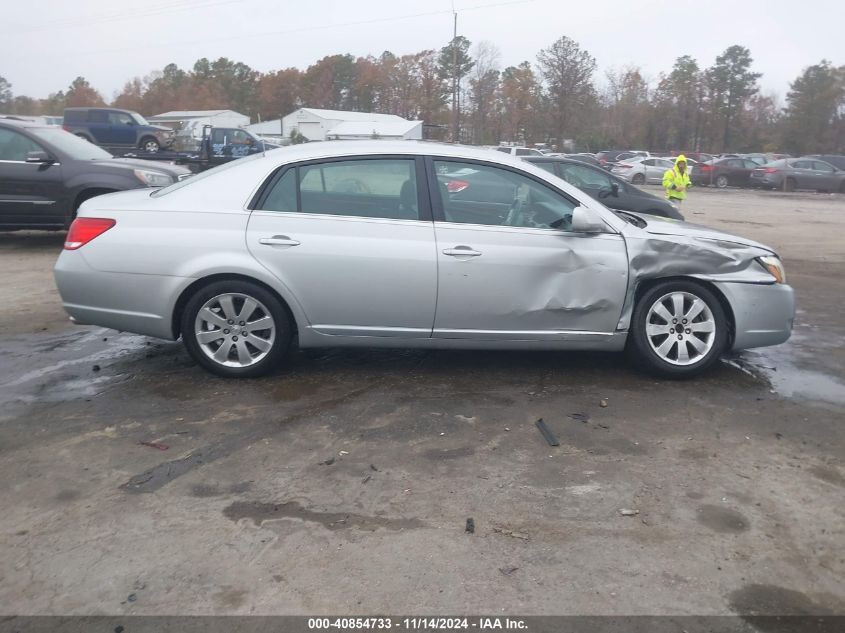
676	181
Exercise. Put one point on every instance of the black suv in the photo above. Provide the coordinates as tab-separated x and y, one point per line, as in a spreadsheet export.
114	128
611	191
46	173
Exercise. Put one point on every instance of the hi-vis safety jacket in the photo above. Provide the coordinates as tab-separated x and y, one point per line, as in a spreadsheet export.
674	182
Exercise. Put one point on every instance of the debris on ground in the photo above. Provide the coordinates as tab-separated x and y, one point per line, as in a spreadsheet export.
373	468
603	403
507	532
342	453
602	426
366	479
625	512
580	417
157	445
470	526
507	571
550	438
507	428
328	462
96	368
132	597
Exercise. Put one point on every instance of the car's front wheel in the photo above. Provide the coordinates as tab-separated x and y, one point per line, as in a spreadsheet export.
150	145
638	179
678	329
236	329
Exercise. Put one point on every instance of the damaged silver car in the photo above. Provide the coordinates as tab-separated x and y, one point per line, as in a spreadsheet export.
385	244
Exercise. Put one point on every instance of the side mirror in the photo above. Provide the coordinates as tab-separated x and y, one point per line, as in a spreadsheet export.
585	220
42	158
614	190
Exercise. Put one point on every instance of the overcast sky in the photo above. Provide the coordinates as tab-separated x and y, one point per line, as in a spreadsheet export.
46	44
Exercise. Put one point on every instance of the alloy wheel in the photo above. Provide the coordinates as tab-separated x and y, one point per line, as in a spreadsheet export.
234	330
680	328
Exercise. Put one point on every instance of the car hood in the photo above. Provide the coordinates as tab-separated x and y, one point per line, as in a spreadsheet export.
150	165
668	227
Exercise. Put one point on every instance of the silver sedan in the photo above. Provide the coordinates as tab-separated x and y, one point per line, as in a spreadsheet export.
642	170
403	244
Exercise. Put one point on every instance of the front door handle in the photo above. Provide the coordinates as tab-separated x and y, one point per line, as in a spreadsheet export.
278	240
461	251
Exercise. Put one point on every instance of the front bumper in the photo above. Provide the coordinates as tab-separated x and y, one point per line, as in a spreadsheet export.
763	313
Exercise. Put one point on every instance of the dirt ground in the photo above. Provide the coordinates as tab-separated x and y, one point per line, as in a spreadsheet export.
343	483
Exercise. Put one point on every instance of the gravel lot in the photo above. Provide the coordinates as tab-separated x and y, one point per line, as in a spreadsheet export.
343	483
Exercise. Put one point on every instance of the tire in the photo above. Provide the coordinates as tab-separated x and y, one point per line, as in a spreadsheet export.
248	353
638	179
721	181
789	184
149	144
662	354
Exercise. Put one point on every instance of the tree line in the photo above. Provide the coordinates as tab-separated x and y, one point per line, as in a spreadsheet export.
462	93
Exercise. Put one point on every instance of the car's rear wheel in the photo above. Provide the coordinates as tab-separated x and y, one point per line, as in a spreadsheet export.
678	329
721	181
150	145
789	184
638	179
236	329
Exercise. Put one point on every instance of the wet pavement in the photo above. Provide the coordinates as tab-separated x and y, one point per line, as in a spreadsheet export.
343	483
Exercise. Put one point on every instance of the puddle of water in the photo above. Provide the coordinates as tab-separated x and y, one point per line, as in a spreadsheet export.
61	367
789	368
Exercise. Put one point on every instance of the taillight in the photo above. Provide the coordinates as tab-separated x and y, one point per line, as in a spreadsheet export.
455	186
706	167
769	170
83	230
66	128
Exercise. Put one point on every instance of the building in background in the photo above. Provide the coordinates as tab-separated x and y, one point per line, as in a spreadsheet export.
323	125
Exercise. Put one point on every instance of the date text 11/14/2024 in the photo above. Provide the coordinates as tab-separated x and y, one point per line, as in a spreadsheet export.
417	624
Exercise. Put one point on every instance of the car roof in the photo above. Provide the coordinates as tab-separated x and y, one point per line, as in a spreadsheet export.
340	149
13	122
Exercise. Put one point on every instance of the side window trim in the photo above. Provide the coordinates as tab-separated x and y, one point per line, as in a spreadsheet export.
423	197
437	202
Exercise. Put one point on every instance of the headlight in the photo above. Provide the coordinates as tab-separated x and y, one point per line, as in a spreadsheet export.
774	266
153	178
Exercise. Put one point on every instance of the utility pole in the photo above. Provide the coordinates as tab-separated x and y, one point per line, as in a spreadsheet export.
455	82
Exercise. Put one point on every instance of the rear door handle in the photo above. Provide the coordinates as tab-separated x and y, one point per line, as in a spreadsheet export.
461	251
278	240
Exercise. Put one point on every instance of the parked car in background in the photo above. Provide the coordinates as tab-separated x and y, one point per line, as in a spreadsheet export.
834	159
639	170
608	189
115	128
609	155
590	159
790	174
46	173
518	151
723	172
357	244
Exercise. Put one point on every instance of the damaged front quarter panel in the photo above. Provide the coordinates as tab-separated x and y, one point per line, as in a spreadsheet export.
673	249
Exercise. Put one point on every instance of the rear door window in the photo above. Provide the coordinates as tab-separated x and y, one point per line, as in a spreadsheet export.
367	188
98	116
820	166
584	177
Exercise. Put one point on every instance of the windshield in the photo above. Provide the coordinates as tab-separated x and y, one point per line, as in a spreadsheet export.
75	147
139	119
